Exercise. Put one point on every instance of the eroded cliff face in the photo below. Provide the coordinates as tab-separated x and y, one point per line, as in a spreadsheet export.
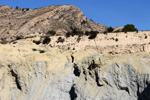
26	73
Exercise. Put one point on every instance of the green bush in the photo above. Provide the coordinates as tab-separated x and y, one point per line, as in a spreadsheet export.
92	36
36	42
83	22
25	9
87	33
68	34
105	32
110	29
76	31
51	33
46	40
129	28
116	39
17	7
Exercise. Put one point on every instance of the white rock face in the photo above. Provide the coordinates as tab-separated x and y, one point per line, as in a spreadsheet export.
28	74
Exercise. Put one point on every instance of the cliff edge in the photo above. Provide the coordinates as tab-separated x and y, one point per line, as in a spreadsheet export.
32	72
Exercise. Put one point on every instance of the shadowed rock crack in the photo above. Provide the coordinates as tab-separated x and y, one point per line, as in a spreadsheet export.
76	70
97	79
72	93
93	65
145	95
16	79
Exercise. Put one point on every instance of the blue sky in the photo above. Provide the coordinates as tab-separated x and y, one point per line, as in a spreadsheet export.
109	12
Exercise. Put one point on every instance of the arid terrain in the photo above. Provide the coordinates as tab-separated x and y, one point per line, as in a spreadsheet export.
37	66
19	22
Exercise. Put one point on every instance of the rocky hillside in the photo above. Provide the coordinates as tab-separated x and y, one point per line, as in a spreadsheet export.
60	18
34	66
37	72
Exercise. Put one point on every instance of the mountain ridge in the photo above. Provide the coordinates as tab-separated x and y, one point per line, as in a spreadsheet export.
59	18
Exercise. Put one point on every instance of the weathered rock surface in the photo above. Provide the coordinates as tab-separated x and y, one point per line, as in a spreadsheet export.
16	22
27	74
112	43
35	67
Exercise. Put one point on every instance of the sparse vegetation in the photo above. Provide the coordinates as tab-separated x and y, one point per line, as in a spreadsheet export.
46	40
41	51
51	33
68	34
105	32
60	39
25	9
76	31
87	33
116	39
110	29
129	28
4	41
92	36
37	42
34	49
17	7
146	37
19	37
83	22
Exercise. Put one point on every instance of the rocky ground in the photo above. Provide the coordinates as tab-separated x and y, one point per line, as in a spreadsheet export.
30	71
36	66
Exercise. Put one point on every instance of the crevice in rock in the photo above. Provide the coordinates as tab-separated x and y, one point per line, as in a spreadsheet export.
93	66
72	93
76	71
97	79
138	92
144	95
41	51
85	74
16	79
125	88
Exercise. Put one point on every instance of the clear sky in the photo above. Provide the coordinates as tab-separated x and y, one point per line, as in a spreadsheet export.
109	12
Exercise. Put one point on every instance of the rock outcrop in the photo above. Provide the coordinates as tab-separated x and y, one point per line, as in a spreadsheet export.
34	66
28	74
111	43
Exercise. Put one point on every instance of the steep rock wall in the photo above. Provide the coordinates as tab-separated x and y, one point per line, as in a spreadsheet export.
93	77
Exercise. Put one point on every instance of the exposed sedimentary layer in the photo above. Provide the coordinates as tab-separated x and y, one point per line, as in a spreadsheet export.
26	74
